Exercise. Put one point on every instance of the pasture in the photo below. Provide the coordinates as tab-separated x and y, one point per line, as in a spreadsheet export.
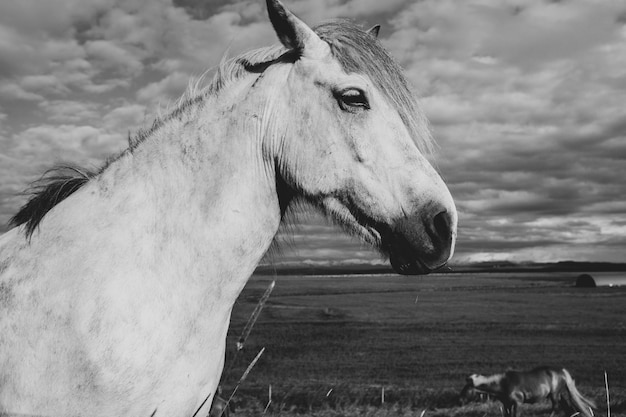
333	342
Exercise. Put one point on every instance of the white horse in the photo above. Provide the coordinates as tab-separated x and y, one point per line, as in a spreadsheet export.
116	287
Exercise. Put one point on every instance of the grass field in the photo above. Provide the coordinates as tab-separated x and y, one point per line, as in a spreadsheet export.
333	342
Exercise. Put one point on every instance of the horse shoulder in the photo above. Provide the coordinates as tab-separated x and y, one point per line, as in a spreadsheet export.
31	337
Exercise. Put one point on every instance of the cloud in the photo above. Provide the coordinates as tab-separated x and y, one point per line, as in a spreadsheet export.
314	12
43	84
15	53
13	91
109	55
166	89
543	31
83	144
130	115
52	17
70	111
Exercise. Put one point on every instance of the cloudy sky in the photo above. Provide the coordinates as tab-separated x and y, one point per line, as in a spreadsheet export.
527	100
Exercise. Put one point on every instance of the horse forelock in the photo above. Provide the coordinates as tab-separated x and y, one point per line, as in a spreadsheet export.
359	52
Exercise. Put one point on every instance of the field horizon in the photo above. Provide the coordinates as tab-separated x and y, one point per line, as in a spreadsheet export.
334	343
377	268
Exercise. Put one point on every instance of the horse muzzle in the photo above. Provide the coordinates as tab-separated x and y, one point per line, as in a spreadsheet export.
421	243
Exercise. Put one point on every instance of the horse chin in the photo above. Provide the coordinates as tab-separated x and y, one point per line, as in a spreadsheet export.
405	266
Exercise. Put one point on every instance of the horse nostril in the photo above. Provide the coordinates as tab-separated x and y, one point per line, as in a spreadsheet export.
443	226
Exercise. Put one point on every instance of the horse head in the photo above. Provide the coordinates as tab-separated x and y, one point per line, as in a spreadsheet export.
470	385
357	147
473	378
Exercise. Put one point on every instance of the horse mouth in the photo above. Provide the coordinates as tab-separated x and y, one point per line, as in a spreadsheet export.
402	255
404	266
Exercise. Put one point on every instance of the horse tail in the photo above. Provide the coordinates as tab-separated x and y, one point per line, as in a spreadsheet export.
584	405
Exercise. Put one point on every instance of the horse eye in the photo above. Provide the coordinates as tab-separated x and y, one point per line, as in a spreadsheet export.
352	99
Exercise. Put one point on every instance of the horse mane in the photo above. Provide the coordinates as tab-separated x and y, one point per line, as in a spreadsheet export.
355	50
54	186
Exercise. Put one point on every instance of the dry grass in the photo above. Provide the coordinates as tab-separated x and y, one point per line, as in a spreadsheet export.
291	407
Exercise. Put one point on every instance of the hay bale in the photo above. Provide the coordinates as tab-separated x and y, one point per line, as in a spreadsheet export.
586	281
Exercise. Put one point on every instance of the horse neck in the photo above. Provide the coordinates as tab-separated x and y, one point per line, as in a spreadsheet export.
198	194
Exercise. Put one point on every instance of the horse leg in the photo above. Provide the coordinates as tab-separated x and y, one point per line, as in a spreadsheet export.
553	403
508	408
515	398
505	409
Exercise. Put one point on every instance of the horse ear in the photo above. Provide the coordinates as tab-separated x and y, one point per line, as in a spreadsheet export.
293	33
374	31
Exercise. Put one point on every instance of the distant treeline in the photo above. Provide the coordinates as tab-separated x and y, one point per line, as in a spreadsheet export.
361	269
